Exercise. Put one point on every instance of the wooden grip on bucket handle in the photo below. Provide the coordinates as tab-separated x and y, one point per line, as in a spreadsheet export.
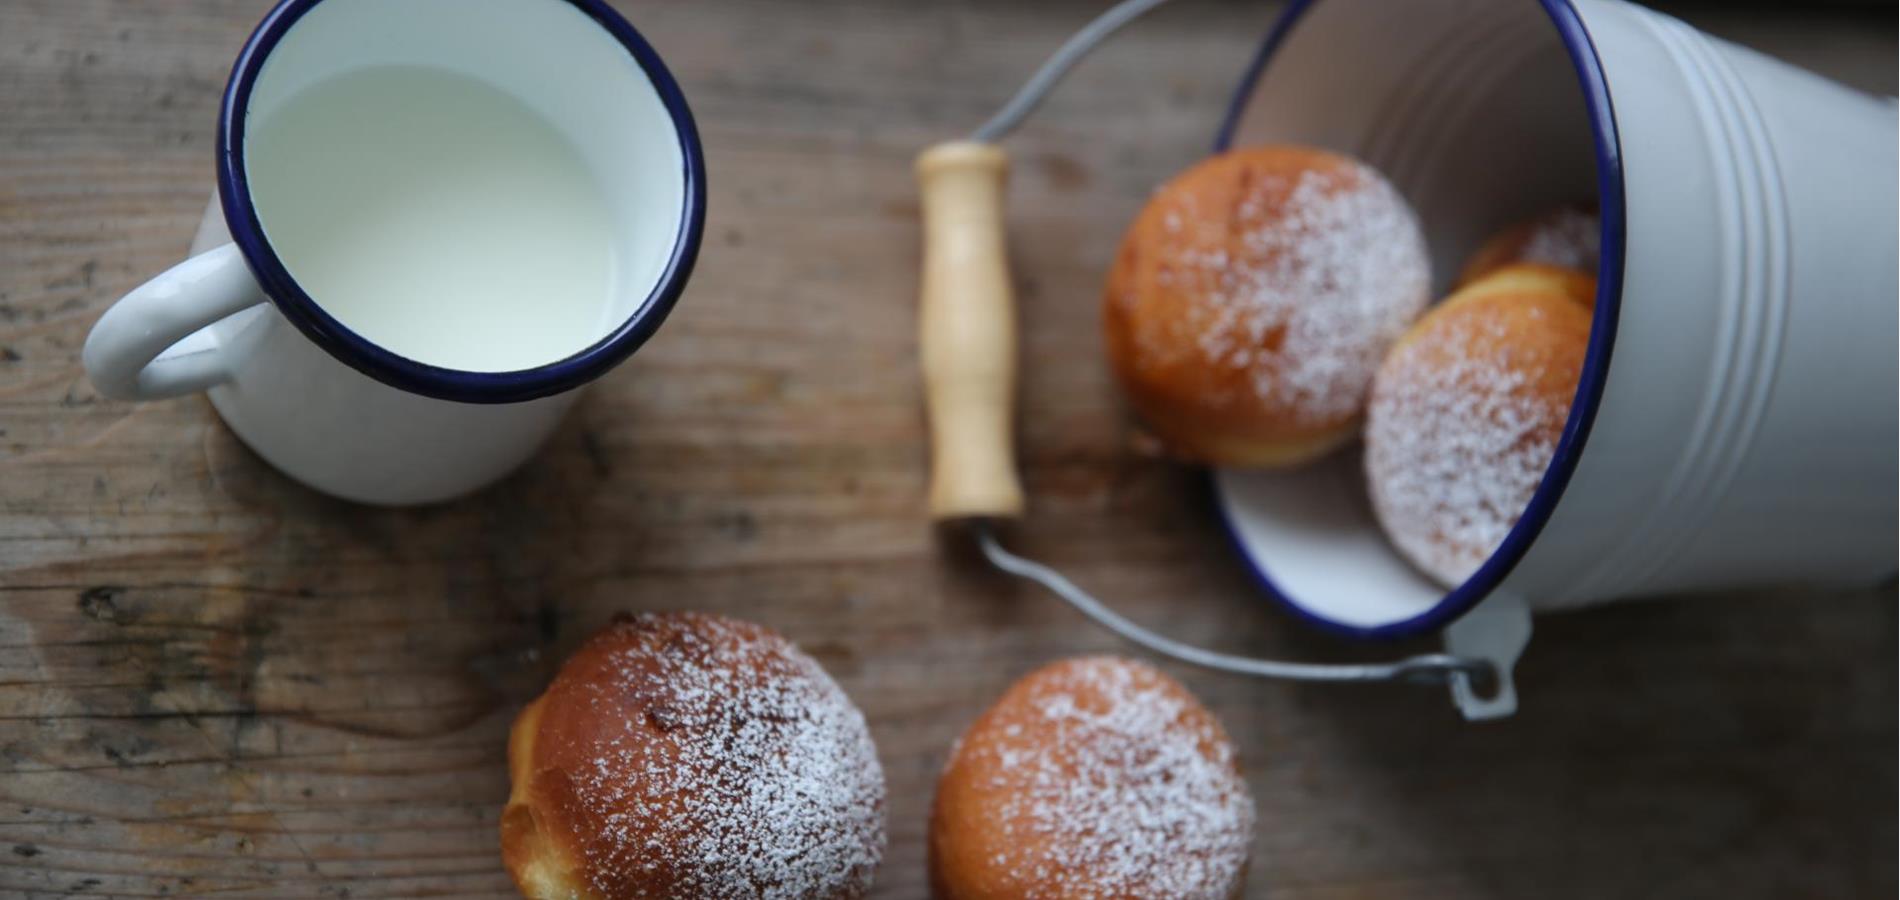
967	333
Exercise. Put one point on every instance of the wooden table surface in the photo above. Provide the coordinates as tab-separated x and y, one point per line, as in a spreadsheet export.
215	681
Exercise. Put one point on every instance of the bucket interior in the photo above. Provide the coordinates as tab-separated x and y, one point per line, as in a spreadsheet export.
1482	113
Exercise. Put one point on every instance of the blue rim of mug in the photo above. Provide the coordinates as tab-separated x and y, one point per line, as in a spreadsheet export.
422	378
1583	409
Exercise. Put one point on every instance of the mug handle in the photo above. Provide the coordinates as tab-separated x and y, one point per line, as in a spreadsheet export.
121	353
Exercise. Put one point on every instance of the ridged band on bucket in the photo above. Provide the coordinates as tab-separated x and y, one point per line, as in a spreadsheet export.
1753	296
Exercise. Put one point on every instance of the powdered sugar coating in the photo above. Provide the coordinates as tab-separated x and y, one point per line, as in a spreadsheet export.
1463	421
1298	288
1102	778
730	766
1568	237
1339	275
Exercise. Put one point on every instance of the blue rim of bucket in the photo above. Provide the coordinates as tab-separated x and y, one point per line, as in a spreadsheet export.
400	371
1596	365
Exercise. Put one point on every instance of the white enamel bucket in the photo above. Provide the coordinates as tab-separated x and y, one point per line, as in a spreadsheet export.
1736	420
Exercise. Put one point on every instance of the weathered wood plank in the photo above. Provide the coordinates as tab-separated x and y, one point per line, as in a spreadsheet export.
214	681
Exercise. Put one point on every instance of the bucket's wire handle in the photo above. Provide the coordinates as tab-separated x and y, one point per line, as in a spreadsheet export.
1431	668
967	325
1059	63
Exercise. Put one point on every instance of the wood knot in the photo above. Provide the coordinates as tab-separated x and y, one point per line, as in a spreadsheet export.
102	603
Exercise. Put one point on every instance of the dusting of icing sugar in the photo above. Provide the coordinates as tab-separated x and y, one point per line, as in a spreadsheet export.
1567	237
1456	444
1328	279
1116	789
741	769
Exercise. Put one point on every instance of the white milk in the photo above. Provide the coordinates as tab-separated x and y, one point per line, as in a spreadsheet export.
436	216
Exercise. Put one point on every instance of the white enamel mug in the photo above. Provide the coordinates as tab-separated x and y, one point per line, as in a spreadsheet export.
1736	419
334	409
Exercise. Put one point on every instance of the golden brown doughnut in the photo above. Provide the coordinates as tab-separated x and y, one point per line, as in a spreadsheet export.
1253	298
687	755
1572	283
1095	778
1568	236
1466	413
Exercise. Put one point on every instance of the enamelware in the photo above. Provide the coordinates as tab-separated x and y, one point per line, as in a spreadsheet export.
1736	419
337	411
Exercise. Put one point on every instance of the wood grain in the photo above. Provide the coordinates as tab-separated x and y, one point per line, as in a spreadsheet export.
213	681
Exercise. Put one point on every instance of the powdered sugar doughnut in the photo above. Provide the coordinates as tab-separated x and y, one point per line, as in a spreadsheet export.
1466	414
1569	236
1092	778
688	755
1252	301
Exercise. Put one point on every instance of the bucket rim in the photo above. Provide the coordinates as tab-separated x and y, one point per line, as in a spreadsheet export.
1607	145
